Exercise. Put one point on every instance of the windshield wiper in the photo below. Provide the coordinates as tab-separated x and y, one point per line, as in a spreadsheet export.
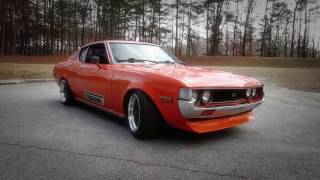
167	62
132	60
172	62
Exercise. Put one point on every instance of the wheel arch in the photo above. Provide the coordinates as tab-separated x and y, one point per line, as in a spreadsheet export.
132	90
61	78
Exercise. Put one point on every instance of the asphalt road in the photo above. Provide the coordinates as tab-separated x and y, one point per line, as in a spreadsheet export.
42	139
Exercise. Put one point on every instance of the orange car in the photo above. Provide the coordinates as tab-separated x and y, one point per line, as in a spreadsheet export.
147	85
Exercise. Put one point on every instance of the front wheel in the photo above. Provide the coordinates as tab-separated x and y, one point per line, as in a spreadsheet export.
143	117
66	97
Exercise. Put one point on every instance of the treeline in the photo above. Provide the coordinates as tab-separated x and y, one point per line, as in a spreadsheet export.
190	27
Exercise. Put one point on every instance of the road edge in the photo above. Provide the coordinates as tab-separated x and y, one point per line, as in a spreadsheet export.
23	81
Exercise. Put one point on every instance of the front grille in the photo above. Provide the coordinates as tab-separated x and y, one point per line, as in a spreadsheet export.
228	95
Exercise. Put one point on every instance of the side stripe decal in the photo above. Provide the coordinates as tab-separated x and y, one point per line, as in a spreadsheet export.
95	98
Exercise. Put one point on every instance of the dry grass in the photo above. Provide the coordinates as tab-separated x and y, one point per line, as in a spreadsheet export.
191	60
25	71
32	59
306	79
291	73
251	61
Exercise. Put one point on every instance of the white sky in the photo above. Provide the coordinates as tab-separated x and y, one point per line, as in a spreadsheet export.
258	13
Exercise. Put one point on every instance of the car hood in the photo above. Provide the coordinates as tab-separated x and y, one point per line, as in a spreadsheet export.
196	76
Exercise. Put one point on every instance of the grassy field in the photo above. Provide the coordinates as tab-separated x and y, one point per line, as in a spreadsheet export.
190	60
306	79
32	59
290	73
25	71
251	61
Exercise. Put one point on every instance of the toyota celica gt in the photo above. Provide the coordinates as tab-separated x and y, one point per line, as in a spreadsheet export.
148	86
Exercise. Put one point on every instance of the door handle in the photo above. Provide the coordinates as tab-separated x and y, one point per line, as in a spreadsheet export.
81	67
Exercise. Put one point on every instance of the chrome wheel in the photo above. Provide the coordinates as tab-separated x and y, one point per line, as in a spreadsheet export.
63	93
134	112
143	118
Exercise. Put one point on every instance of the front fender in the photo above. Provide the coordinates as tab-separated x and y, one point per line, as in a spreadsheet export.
163	91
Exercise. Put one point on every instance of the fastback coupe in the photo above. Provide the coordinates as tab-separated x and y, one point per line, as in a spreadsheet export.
148	86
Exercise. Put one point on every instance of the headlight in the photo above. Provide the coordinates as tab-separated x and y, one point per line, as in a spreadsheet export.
248	93
254	92
189	95
206	97
195	96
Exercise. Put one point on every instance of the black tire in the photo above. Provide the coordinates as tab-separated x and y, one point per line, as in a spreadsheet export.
146	116
66	96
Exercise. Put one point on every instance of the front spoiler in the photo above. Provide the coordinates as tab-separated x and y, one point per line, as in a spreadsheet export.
189	110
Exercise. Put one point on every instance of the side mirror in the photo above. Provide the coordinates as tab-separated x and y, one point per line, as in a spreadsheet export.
95	60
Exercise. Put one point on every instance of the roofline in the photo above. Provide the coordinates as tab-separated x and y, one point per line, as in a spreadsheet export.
93	42
131	42
118	41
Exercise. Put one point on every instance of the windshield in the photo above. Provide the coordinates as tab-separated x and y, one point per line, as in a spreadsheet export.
127	52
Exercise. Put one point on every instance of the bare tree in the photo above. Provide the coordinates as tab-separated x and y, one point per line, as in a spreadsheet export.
250	6
293	27
42	27
265	19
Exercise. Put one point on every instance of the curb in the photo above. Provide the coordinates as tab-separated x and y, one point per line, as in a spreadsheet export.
24	81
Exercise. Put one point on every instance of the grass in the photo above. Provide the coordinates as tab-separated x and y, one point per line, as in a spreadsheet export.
306	79
25	71
54	59
299	74
240	61
191	60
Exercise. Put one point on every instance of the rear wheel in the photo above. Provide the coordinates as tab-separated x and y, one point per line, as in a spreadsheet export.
143	117
66	97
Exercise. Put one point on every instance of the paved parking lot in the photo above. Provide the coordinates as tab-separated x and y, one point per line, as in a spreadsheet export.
40	138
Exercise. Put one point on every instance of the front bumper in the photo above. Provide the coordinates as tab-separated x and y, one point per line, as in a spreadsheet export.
189	110
210	125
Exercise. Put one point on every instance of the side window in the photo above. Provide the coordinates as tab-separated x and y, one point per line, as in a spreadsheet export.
89	54
98	50
82	54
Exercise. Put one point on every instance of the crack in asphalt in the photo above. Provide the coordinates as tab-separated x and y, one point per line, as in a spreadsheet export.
124	159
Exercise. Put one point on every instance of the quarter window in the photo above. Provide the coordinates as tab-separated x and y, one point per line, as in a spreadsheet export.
82	54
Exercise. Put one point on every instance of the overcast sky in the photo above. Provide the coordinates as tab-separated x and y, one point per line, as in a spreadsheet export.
258	13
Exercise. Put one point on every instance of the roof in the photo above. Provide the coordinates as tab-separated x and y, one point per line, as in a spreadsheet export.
119	41
131	42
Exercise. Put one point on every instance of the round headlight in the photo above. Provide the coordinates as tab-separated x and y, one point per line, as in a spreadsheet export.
205	98
248	93
254	92
195	96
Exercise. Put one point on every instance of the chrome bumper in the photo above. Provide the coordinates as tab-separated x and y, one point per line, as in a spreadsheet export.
189	110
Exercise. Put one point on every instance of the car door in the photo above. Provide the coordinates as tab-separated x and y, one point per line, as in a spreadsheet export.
94	79
74	71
